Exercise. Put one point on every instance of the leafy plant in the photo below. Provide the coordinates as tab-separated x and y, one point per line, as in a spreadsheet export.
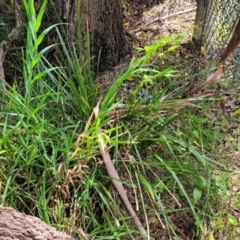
51	132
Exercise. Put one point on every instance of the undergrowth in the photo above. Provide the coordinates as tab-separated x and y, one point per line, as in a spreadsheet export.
50	159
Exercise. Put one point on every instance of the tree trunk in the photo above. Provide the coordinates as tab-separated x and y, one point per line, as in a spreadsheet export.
16	225
200	21
104	21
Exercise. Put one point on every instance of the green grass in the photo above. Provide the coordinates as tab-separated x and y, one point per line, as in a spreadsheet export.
51	166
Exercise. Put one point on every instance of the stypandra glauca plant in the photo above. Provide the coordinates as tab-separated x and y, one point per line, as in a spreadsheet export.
149	126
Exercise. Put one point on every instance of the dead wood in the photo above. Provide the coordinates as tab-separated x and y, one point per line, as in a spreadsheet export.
16	225
161	19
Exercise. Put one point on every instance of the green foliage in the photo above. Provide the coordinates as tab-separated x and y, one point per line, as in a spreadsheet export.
50	144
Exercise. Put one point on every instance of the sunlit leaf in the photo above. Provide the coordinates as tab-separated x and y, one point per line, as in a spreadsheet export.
196	195
43	73
237	112
40	16
40	54
211	237
232	220
42	35
172	48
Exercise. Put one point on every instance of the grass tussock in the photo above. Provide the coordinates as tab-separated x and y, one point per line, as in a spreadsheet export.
161	146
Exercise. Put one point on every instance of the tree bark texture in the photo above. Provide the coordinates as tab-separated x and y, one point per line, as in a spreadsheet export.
104	21
200	20
19	226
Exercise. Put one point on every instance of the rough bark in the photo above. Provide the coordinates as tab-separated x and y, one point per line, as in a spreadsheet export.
16	225
200	20
104	21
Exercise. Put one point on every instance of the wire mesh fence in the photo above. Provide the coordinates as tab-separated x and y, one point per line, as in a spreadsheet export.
219	29
219	24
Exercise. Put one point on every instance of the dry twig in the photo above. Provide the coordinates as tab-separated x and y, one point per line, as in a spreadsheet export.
161	19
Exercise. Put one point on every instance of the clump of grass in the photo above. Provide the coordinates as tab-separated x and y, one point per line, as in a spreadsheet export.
51	165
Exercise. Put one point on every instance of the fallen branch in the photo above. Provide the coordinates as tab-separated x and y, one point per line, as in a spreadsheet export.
211	78
231	47
118	185
161	19
16	225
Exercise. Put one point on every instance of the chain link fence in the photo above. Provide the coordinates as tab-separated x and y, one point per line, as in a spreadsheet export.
219	24
220	21
217	32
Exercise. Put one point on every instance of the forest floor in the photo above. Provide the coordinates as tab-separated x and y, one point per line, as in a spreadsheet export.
164	20
145	27
163	145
